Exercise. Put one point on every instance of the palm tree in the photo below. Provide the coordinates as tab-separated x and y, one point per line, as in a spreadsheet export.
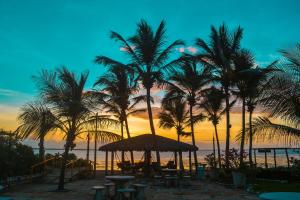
96	127
118	92
175	115
243	62
219	52
281	99
188	83
212	104
37	120
64	93
250	83
148	55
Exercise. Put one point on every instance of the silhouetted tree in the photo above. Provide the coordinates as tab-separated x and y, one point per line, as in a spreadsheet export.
175	115
37	120
148	55
187	83
219	52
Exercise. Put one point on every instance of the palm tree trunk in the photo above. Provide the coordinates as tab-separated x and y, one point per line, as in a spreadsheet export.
218	146
122	153
128	135
193	135
95	152
181	167
88	147
214	152
61	182
250	137
228	126
151	120
41	149
243	132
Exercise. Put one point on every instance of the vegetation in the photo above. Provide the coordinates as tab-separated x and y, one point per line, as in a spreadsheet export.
206	84
188	83
16	158
118	96
275	186
71	106
37	120
149	56
281	99
219	53
174	115
212	104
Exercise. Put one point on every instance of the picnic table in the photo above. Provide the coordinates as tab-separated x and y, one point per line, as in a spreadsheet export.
171	172
120	180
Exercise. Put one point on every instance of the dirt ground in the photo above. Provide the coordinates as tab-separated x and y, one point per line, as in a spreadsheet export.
82	190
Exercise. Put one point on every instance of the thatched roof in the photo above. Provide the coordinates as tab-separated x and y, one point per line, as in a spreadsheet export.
148	142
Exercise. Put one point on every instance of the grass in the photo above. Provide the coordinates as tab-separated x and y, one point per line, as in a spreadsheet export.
276	186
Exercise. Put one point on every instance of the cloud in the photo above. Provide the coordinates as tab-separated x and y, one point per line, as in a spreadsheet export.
11	93
192	49
144	115
125	49
8	96
10	103
189	49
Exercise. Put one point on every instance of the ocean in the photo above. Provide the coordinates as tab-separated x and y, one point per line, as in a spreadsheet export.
281	159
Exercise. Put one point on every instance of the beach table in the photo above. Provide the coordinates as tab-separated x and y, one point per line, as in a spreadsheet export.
280	196
171	172
119	181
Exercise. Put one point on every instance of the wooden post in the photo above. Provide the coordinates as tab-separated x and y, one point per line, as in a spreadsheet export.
112	163
147	161
106	161
266	160
175	158
287	157
255	157
275	163
190	161
181	167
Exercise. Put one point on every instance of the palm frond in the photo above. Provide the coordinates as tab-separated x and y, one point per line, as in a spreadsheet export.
264	129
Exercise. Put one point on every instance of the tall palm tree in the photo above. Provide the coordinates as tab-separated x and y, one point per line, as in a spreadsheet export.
250	83
188	83
36	120
64	93
149	56
219	52
281	99
96	126
118	92
243	62
212	104
175	115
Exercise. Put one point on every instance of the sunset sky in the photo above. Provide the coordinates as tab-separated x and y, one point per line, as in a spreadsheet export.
37	35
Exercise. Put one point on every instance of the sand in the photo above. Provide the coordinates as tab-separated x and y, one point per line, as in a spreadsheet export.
82	190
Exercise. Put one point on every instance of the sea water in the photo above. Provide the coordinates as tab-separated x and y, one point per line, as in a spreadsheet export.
281	159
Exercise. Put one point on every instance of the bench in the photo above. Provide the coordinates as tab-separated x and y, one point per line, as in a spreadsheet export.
126	193
140	191
99	195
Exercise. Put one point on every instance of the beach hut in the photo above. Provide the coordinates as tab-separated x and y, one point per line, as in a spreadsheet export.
146	143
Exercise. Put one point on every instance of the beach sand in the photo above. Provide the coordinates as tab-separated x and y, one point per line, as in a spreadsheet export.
82	190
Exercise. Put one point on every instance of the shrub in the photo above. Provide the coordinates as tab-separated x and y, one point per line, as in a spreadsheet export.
16	158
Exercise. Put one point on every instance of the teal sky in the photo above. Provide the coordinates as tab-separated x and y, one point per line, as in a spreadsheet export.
38	34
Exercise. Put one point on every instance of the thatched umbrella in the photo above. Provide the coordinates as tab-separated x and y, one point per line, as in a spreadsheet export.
146	143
